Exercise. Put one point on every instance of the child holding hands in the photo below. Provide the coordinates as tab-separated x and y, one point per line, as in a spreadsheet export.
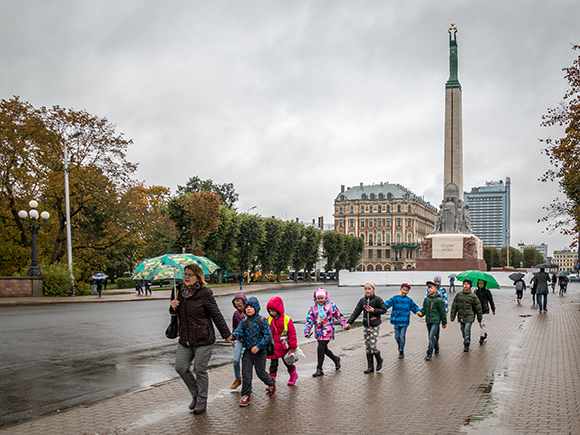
239	303
284	335
402	305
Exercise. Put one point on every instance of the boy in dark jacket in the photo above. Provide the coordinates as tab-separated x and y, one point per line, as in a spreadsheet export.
486	300
373	307
434	312
254	332
466	306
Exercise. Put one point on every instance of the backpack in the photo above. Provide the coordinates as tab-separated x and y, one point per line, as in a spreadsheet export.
520	285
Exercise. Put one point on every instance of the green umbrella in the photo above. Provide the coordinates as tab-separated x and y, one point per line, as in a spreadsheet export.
147	267
474	275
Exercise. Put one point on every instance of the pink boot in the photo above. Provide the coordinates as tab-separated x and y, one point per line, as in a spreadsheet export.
293	377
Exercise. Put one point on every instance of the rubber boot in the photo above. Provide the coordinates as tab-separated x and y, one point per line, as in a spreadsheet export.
371	364
293	377
379	361
274	376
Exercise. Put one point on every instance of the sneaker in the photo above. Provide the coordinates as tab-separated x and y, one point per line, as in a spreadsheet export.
401	354
437	351
236	384
271	389
428	357
245	400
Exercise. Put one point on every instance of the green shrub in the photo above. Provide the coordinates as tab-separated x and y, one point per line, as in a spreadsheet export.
56	280
125	283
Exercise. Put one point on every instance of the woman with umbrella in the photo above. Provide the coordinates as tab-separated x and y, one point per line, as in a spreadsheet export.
197	309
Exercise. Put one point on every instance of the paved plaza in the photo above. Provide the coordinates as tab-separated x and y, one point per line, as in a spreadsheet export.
524	380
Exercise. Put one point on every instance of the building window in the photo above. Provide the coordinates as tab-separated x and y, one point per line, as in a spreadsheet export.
387	253
388	222
340	223
388	239
379	222
362	236
409	253
379	254
409	238
371	222
380	208
362	208
381	196
388	208
352	208
371	239
372	196
351	223
342	197
398	222
340	209
379	239
389	195
362	223
364	196
408	222
370	208
398	208
370	253
409	208
399	238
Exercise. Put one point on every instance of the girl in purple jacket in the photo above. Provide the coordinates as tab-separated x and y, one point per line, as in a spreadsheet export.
239	303
321	316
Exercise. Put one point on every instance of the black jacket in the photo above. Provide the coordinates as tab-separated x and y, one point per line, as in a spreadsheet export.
486	299
369	319
196	314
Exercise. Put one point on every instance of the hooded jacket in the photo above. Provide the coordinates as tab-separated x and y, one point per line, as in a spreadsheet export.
486	300
369	319
253	331
323	328
196	314
238	315
277	329
466	306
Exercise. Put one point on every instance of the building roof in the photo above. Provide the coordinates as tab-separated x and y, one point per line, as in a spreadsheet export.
382	191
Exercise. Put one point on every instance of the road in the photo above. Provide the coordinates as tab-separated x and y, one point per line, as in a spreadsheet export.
59	356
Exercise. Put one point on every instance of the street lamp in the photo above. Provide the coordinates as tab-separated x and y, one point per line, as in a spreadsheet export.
67	216
251	208
34	270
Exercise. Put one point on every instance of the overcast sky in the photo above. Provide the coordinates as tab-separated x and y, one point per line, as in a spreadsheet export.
289	100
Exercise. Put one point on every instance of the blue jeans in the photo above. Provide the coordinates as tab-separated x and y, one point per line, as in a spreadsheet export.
432	329
466	331
237	359
400	333
542	301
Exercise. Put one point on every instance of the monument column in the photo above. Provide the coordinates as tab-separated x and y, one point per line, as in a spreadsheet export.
453	164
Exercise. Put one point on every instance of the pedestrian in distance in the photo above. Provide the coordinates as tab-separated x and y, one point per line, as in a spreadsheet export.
486	300
139	286
239	303
241	280
320	318
284	337
520	287
372	307
99	287
402	306
147	287
196	309
254	332
563	281
554	280
452	284
443	295
541	279
466	306
434	312
533	290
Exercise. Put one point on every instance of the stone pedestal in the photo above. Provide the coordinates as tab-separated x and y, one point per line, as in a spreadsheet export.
451	252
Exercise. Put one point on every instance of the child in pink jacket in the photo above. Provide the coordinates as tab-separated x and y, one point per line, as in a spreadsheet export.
321	316
284	336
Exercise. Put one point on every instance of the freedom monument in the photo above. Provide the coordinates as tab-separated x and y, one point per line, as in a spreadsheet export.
452	246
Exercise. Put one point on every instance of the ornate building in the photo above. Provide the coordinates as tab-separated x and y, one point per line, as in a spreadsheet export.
391	219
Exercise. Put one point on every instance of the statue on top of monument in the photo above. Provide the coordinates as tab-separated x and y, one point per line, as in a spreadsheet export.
453	81
453	216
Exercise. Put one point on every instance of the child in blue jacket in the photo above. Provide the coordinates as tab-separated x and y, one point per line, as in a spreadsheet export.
254	332
401	305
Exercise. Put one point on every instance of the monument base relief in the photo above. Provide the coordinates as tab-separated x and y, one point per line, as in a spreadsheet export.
451	252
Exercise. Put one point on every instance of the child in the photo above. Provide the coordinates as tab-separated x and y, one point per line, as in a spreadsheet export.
466	305
434	312
239	303
254	332
321	316
373	308
486	300
284	334
401	305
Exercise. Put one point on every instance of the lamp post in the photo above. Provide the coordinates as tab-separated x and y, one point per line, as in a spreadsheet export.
251	208
34	270
67	215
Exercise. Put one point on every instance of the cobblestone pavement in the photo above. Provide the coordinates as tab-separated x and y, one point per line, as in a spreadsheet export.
524	380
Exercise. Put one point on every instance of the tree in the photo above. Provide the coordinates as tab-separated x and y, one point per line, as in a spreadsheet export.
311	248
249	239
220	245
531	257
332	245
516	257
288	245
270	246
491	257
226	191
564	155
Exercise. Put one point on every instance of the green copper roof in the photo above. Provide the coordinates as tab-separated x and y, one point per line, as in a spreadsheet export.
453	82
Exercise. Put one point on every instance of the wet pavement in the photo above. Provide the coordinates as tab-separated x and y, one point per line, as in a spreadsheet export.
524	379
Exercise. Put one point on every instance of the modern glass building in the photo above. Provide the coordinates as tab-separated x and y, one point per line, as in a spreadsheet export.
489	208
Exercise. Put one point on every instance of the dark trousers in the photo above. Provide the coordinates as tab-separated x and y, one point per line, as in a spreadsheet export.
249	362
324	350
274	366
